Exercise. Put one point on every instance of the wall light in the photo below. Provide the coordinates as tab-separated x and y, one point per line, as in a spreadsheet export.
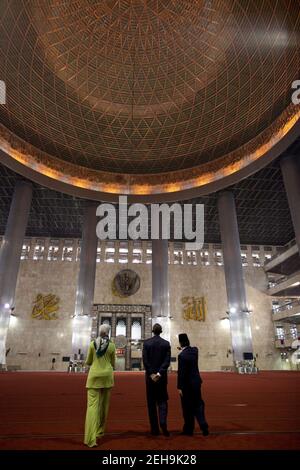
13	321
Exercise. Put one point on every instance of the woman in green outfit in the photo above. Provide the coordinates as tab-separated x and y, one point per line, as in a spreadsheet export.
101	358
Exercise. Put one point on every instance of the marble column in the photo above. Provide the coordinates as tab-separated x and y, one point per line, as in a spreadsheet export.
117	249
235	285
160	286
130	251
211	258
82	321
10	254
114	326
262	258
144	251
103	252
249	256
143	326
128	347
171	250
46	249
290	167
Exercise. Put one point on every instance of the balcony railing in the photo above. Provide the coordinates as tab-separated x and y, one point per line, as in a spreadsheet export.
276	282
286	337
287	306
285	341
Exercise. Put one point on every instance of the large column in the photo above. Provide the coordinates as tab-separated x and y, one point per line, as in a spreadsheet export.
128	347
10	254
113	326
160	287
290	167
86	282
236	293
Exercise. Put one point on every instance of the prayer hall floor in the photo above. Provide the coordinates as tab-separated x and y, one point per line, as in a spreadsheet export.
46	410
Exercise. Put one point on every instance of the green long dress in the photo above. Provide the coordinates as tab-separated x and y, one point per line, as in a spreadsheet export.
99	383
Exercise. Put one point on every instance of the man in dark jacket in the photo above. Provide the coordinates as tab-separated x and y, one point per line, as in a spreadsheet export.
156	359
189	387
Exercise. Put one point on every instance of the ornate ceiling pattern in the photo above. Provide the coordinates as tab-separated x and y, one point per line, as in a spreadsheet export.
127	96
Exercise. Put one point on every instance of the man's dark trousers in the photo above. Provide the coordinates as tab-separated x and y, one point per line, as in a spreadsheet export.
156	401
193	407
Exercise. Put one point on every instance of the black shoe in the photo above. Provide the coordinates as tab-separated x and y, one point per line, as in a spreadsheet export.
184	433
165	431
155	433
205	432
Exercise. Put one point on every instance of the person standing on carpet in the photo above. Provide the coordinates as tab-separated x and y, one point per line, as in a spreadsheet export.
101	358
189	387
156	359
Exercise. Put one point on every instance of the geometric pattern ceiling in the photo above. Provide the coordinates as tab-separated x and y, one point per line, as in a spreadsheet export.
262	209
134	87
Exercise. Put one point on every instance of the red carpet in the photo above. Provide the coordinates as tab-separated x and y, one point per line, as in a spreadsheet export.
46	410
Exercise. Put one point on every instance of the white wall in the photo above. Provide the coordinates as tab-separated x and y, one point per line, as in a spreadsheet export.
43	337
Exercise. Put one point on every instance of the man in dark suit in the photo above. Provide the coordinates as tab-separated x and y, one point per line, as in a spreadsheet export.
156	359
189	387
